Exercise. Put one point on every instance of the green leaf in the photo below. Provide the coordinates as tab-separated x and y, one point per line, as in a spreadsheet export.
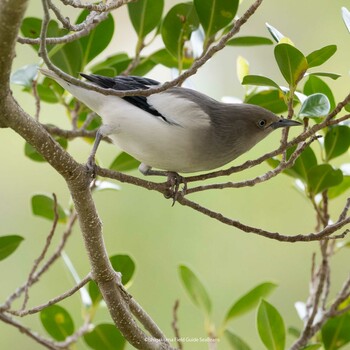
31	28
124	162
215	15
250	300
57	322
291	62
242	68
25	75
336	191
337	141
323	176
125	265
249	41
277	35
259	80
143	67
8	244
271	327
304	162
98	38
312	347
145	15
105	336
336	332
177	27
94	292
318	57
34	155
69	58
315	106
49	91
121	263
44	206
166	59
346	17
269	99
315	85
236	342
118	63
195	289
333	76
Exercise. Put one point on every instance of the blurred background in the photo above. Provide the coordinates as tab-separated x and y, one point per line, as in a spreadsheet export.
159	237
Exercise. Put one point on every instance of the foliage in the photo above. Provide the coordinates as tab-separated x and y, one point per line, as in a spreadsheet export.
305	94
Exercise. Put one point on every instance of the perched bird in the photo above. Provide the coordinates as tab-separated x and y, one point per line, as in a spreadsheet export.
179	130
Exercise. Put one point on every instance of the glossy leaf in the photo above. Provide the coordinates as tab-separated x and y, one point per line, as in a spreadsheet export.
249	41
177	27
259	80
31	27
121	263
145	15
315	106
166	59
304	162
57	322
333	76
118	63
215	15
312	347
346	17
125	265
105	336
291	62
318	57
34	155
336	191
269	99
97	39
124	162
195	289
315	85
25	75
276	34
250	300
337	141
236	342
49	91
242	68
43	206
69	58
143	67
323	176
271	327
336	332
94	292
8	244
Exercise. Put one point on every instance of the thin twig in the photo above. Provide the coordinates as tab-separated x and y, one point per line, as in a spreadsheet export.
46	266
99	7
181	78
25	330
43	253
37	99
53	301
175	326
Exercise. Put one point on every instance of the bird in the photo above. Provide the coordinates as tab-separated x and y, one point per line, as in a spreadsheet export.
179	130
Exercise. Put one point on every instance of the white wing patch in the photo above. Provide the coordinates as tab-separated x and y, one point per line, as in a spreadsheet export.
179	111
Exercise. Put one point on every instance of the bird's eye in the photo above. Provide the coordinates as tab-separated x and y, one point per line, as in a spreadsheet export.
261	123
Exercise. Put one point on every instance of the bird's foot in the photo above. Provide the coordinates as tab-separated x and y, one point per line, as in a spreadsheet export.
91	167
174	182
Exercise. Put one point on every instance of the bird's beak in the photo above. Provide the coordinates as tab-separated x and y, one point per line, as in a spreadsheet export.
283	123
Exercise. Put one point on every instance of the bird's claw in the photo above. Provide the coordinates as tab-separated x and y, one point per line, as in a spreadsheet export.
91	167
174	181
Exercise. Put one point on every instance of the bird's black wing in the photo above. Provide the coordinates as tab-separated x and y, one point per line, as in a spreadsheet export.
123	83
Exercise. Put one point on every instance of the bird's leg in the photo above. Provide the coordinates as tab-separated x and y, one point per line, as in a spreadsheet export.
91	164
174	180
